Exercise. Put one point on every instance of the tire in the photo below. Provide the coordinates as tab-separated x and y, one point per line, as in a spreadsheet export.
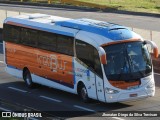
84	94
28	79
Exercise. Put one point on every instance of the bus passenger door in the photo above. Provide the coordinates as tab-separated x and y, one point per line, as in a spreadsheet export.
89	56
100	89
87	77
91	84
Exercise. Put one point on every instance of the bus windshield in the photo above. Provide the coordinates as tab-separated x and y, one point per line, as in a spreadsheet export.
127	61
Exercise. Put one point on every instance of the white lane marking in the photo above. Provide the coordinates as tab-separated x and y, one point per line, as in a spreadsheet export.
83	108
1	61
156	73
17	89
48	98
117	118
4	109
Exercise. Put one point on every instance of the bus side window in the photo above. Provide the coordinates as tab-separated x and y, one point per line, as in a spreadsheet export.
97	63
7	33
29	37
11	33
47	41
33	38
65	45
89	55
15	34
25	36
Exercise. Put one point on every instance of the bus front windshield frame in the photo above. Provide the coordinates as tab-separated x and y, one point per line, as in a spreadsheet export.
127	61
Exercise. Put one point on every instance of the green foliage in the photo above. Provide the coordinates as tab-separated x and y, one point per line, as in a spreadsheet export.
152	6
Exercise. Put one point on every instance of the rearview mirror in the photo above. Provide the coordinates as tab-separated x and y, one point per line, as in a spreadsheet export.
154	47
102	55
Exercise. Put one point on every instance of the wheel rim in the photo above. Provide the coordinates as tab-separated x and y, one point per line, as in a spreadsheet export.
84	93
28	80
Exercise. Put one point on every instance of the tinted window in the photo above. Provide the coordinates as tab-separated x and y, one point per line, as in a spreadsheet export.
97	63
88	55
47	41
11	33
33	37
40	39
6	32
127	61
29	37
65	44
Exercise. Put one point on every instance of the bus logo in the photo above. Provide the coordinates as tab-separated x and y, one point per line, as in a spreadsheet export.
52	62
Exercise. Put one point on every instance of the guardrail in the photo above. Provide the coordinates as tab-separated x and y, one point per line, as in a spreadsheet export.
146	34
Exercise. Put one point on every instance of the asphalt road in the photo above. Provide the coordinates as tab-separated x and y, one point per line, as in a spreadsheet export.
143	22
15	96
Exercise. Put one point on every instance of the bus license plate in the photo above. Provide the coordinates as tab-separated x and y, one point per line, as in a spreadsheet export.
133	95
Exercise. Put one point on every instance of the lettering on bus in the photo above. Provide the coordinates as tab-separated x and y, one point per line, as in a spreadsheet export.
11	50
52	62
81	70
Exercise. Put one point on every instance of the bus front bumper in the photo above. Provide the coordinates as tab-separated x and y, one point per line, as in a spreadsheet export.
129	96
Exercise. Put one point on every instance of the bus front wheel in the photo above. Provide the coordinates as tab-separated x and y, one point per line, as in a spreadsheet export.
83	94
28	79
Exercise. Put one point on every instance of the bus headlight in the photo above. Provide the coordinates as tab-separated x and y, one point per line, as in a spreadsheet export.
111	91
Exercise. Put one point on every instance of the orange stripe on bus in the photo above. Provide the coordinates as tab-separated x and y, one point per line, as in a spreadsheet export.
123	84
43	63
122	41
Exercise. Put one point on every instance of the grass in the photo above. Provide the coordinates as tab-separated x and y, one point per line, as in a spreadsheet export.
150	6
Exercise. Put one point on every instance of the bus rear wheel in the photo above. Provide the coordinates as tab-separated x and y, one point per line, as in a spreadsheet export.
84	94
28	79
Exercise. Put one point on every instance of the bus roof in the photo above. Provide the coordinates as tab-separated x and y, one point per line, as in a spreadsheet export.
106	29
111	31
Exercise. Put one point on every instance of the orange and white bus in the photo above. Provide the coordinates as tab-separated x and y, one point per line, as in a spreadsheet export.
94	59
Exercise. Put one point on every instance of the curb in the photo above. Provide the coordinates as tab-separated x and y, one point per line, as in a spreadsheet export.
83	8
